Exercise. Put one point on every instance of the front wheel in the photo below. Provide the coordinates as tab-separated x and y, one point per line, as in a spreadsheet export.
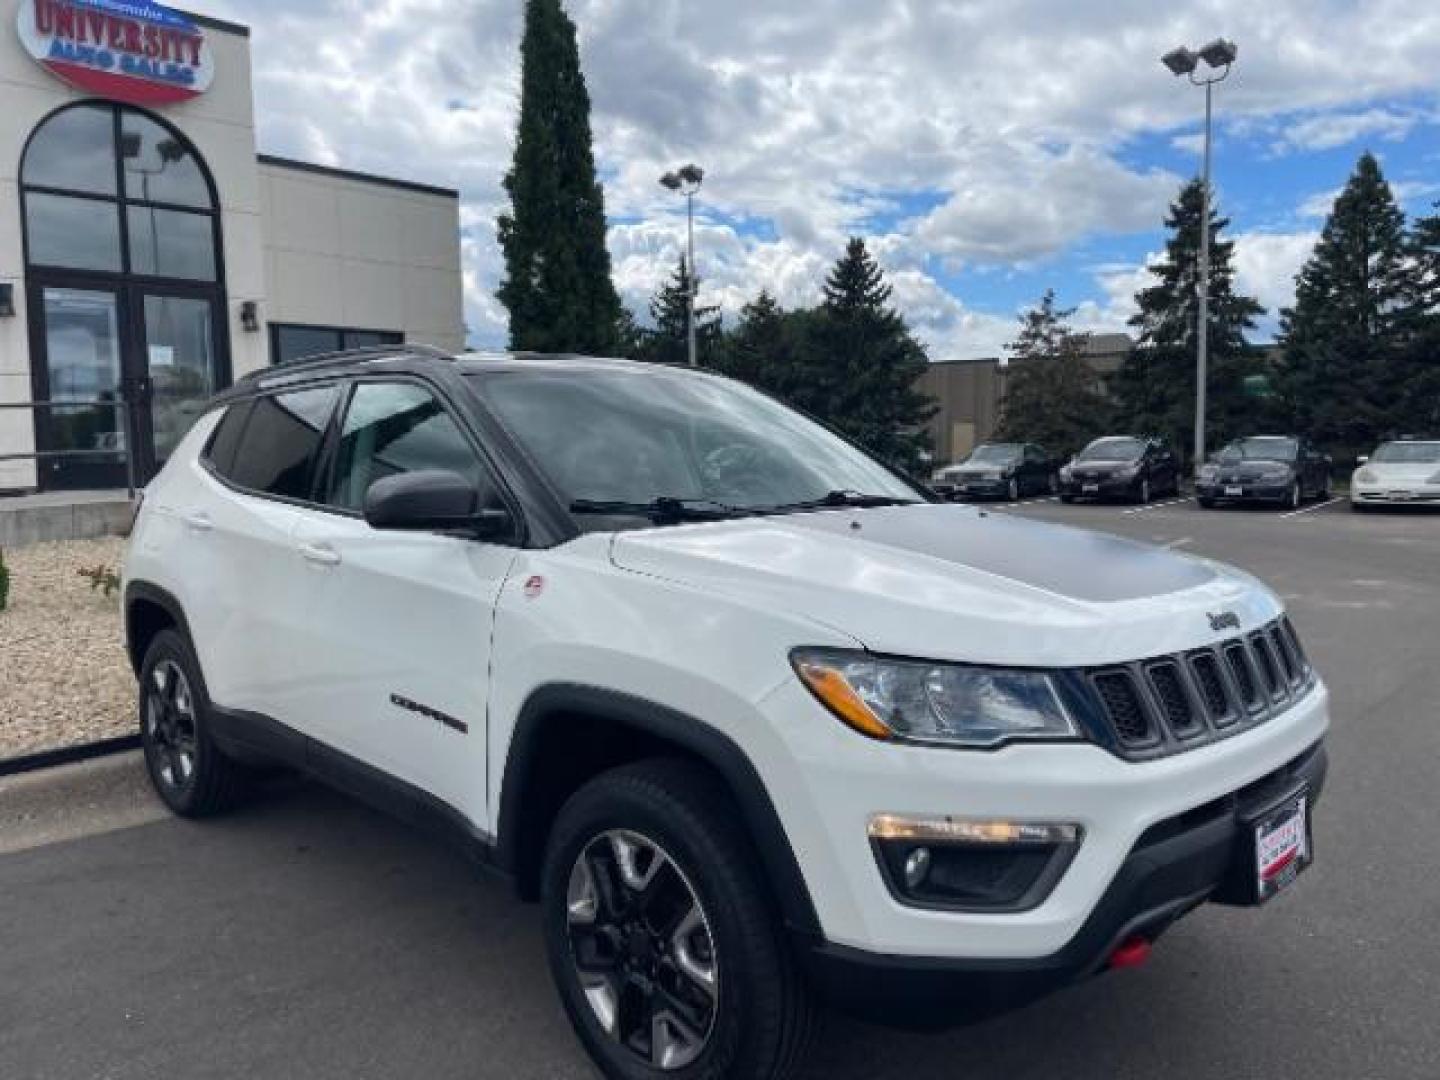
667	953
1145	493
1206	504
1296	498
1013	491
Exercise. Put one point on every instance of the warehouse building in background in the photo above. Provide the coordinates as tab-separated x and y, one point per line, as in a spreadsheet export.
969	395
149	255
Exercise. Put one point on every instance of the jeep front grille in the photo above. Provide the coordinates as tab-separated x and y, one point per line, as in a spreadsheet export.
1171	703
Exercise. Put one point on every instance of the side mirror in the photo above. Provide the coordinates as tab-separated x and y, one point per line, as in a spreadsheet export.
433	500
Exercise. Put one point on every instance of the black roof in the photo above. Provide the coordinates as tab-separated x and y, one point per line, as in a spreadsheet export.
422	356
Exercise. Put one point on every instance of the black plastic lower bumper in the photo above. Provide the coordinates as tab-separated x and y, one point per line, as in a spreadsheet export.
1249	493
1175	866
1102	489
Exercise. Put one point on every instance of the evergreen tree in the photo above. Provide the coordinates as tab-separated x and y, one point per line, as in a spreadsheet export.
667	342
1052	396
1155	387
766	348
1342	337
557	284
1416	378
863	363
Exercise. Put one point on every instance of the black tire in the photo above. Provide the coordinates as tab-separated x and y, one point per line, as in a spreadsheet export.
1296	498
1206	504
1143	494
190	773
1012	492
1066	498
760	1014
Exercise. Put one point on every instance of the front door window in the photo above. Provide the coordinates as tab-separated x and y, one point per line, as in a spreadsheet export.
81	329
180	362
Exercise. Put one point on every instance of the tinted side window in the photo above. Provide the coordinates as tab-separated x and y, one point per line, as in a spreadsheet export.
277	454
394	428
226	439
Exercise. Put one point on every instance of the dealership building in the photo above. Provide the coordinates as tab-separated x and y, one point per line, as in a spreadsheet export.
149	255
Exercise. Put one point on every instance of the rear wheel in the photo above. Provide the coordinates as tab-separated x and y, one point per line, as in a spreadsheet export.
662	942
190	773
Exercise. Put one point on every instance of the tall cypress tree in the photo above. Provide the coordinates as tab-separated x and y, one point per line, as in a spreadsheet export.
668	342
1052	396
1341	338
1155	387
863	363
557	284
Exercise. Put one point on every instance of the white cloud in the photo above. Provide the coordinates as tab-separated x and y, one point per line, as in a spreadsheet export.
1329	130
1008	121
1265	267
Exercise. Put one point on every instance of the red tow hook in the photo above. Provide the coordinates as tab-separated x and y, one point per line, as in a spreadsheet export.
1132	953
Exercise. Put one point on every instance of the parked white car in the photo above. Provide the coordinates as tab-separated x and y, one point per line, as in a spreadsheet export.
752	716
1403	472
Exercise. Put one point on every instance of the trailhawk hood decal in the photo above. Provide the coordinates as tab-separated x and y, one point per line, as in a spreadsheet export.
950	582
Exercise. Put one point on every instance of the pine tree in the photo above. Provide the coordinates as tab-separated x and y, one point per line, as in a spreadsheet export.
1342	337
1155	387
557	284
1416	375
667	342
862	364
1052	396
766	347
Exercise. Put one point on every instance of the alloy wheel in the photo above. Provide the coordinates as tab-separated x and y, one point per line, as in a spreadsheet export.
170	734
642	949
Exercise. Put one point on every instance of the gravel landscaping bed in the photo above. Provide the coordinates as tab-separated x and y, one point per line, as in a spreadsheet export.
64	676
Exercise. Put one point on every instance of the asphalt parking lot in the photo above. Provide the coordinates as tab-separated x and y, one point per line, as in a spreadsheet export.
308	937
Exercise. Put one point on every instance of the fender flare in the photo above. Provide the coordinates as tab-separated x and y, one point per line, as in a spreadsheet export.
693	735
153	594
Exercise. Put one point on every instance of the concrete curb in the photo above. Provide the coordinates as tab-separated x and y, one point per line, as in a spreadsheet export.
66	755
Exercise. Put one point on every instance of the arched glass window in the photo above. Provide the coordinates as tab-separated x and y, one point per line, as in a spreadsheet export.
111	190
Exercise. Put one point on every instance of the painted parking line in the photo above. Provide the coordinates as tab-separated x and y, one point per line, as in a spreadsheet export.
1317	506
1156	506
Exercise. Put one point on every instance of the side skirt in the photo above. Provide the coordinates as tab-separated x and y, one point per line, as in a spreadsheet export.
254	738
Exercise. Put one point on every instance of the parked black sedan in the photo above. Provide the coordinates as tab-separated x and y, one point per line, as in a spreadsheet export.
1133	467
1283	470
997	471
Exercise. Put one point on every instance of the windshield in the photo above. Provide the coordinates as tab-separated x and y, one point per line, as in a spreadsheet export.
1408	453
994	454
1260	450
631	436
1113	450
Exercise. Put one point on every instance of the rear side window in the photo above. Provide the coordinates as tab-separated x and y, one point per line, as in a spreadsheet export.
226	440
394	428
277	454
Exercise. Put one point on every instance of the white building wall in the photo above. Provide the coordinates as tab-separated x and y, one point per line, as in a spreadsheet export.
220	123
363	254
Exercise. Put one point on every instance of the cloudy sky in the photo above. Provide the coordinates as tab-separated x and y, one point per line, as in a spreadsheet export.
986	148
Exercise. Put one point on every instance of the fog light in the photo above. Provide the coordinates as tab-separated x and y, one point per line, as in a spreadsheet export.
958	864
917	865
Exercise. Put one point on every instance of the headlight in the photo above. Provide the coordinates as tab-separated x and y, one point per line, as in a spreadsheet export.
915	701
1366	476
1209	472
1065	472
1127	471
1275	469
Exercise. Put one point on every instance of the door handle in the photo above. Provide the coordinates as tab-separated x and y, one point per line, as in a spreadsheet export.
320	554
199	522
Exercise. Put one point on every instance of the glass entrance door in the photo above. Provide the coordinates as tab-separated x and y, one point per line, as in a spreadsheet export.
176	358
81	332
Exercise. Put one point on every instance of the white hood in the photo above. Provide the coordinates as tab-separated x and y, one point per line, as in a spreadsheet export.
1400	472
951	582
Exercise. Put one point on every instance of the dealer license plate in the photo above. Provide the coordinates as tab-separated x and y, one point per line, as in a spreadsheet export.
1235	490
1089	488
1282	846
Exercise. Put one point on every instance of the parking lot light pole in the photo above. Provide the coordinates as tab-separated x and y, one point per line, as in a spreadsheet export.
686	181
1219	55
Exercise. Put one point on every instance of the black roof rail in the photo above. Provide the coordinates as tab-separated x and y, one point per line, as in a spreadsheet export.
339	358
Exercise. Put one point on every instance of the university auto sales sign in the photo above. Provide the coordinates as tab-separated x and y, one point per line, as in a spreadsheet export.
127	50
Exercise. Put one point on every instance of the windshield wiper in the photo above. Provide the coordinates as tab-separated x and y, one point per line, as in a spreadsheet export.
839	498
662	510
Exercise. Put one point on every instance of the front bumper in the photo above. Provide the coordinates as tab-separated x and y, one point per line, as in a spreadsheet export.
1396	494
1249	491
1107	488
1173	867
827	783
970	487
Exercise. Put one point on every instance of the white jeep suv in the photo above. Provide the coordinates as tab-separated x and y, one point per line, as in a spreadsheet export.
756	720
